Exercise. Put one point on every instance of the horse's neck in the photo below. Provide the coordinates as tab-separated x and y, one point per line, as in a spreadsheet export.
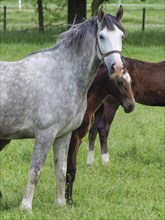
85	65
97	93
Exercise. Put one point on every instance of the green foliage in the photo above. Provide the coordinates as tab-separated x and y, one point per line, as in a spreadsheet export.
53	14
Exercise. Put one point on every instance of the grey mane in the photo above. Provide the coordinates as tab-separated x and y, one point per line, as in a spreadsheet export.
75	35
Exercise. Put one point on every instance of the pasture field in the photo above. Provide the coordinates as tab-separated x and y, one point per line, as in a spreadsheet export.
54	14
132	185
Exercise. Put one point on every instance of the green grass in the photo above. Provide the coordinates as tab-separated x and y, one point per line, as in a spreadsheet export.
132	186
28	18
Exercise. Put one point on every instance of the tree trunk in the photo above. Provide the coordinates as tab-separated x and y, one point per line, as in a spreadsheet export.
40	16
76	11
95	5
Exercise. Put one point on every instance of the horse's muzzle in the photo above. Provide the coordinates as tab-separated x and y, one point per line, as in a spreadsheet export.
129	107
114	66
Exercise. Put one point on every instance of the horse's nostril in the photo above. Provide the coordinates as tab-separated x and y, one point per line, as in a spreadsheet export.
131	107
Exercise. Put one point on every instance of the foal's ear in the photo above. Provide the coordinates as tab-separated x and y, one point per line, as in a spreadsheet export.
100	13
119	13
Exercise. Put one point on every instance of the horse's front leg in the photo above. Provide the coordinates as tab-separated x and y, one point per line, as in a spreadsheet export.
43	140
60	151
110	107
91	139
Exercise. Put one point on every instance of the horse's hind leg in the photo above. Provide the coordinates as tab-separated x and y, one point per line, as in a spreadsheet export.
60	151
91	138
93	134
43	140
110	107
103	135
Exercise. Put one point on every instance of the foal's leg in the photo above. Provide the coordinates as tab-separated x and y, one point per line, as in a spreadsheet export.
71	165
93	134
60	151
74	145
103	136
91	138
43	140
110	107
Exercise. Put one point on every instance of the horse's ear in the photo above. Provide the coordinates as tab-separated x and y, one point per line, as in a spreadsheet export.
100	13
119	13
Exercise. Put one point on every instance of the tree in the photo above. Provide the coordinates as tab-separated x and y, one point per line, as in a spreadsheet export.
40	15
95	5
76	11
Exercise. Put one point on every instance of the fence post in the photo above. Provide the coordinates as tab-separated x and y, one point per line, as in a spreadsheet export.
19	5
143	19
4	19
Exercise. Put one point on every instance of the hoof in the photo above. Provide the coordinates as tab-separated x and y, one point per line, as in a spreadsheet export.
70	202
60	202
26	207
105	159
90	159
89	163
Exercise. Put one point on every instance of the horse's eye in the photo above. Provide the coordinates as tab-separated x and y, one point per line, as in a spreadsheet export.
122	36
101	37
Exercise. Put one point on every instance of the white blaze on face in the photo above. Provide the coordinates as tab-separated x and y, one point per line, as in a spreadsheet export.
127	77
116	38
110	40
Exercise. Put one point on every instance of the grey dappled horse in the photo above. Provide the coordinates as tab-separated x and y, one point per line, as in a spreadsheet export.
44	95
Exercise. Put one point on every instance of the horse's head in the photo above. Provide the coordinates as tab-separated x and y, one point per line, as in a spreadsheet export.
122	91
126	97
109	41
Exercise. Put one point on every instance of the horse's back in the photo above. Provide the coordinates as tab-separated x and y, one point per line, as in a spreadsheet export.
148	81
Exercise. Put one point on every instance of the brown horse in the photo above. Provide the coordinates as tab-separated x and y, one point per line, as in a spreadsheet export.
100	88
148	85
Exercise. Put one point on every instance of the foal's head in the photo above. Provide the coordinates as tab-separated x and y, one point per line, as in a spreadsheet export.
109	41
120	88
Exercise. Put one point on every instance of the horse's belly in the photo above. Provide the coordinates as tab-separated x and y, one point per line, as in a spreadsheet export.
12	130
18	134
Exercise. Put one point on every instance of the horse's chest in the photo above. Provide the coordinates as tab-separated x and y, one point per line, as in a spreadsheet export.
74	119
